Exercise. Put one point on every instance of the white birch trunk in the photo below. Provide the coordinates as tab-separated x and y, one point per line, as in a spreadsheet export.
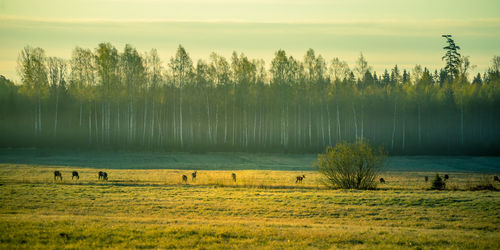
329	123
180	118
80	114
144	122
355	123
36	119
208	120
225	120
57	108
339	134
462	123
96	125
39	116
216	123
394	123
152	122
90	123
419	125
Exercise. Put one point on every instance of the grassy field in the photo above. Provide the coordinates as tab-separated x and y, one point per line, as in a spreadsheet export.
263	209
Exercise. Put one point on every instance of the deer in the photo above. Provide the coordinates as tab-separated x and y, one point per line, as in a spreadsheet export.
300	178
193	175
57	174
382	180
75	174
234	176
100	175
105	176
184	178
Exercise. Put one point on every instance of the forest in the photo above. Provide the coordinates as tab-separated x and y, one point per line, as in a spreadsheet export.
128	100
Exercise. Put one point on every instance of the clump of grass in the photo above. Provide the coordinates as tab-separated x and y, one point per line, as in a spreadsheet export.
438	183
483	184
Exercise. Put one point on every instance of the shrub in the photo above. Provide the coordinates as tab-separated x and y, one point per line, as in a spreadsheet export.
438	183
351	165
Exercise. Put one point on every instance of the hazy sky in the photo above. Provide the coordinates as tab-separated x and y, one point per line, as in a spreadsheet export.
388	32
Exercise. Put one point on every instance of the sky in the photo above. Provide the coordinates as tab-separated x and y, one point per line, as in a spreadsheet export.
387	32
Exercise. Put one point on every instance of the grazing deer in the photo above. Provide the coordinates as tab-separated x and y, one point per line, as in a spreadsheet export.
426	178
100	175
184	178
446	177
57	174
382	180
495	178
105	176
75	174
300	178
234	176
193	175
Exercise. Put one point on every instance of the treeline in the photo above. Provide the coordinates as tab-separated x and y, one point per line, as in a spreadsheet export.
105	98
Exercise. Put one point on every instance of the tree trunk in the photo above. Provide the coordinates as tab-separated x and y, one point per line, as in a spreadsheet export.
118	123
394	123
339	135
36	119
152	122
310	114
225	120
90	123
419	125
462	122
39	116
404	135
96	124
355	122
80	114
57	108
216	124
329	123
180	118
208	120
144	122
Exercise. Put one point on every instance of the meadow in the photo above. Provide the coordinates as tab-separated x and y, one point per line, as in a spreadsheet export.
153	208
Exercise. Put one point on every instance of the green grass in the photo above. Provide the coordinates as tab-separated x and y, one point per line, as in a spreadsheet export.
263	209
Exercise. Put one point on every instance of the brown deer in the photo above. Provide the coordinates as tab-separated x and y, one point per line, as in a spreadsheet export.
184	178
105	176
75	174
193	175
300	178
100	175
57	174
234	176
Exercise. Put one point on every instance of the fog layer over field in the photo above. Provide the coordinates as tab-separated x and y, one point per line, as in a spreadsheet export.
232	161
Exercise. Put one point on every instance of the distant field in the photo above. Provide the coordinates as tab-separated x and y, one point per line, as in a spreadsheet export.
264	209
232	161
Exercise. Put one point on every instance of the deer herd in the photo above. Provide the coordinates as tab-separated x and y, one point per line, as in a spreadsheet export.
104	177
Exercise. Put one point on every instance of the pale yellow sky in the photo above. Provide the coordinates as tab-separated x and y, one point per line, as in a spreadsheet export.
388	32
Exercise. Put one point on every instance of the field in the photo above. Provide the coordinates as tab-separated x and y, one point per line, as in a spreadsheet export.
152	208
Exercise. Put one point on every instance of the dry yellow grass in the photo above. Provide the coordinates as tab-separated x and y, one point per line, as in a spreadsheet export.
263	209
